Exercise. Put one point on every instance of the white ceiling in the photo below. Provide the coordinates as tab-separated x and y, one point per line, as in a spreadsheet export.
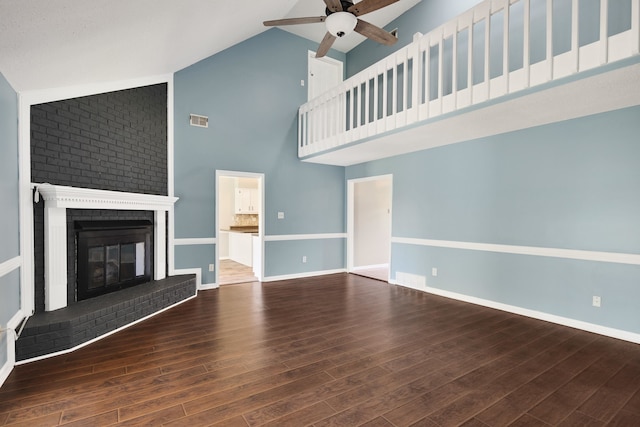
50	44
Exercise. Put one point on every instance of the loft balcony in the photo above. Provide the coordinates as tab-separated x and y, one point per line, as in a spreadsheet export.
502	66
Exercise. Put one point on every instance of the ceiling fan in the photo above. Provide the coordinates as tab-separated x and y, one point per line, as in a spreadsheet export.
341	19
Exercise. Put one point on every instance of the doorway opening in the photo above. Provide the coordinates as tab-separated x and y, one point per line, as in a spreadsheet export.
324	73
369	226
240	227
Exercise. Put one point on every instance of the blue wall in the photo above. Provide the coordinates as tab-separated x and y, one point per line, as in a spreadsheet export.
568	185
9	218
251	94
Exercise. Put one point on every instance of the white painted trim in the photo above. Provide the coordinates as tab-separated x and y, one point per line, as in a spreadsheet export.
170	173
6	369
84	344
10	265
61	196
15	321
564	321
27	300
195	241
12	324
612	257
288	237
208	286
303	275
58	94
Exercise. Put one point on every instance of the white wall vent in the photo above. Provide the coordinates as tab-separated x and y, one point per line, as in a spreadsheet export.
200	121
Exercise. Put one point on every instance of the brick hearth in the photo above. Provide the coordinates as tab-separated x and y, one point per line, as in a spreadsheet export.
59	330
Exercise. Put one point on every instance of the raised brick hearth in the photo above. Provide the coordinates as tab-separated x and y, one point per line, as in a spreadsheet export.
51	332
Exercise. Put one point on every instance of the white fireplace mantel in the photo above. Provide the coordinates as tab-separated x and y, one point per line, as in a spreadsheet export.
59	198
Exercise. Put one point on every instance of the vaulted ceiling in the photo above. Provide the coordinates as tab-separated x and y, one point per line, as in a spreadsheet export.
49	44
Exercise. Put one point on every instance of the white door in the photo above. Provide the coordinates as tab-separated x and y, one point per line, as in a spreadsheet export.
324	74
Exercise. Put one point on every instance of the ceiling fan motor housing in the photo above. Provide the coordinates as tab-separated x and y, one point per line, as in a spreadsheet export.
346	4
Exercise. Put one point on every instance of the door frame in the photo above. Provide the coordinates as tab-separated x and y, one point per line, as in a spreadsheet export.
311	56
261	193
351	186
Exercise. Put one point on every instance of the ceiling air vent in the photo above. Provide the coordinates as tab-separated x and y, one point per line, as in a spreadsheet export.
200	121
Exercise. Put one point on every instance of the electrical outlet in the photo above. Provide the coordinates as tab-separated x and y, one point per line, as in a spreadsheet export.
212	267
434	271
280	215
304	258
596	301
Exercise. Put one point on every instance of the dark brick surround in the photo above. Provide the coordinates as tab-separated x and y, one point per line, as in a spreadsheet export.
59	330
113	141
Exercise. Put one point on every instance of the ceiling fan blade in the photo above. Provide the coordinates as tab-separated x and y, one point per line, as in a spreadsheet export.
294	21
376	34
325	45
366	6
334	5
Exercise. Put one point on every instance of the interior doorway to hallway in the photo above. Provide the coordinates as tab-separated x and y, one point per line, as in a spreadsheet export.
369	226
240	227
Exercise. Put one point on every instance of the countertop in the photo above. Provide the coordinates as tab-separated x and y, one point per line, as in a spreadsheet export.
243	229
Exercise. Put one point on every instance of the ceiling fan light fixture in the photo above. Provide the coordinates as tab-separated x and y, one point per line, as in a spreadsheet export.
341	24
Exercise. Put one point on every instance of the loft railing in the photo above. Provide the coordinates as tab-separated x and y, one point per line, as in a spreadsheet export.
497	48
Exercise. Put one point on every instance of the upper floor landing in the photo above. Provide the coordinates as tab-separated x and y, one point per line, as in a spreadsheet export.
502	66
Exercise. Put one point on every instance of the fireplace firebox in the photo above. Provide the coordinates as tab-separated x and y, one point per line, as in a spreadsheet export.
111	255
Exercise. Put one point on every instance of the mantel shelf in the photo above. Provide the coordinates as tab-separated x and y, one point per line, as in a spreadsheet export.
60	196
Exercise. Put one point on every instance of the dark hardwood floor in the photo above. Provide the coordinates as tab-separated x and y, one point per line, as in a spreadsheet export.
338	350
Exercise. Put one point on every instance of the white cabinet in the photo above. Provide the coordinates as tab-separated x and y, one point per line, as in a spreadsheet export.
246	201
241	248
223	245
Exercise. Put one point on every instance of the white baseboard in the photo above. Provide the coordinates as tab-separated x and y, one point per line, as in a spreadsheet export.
368	267
84	344
6	369
207	286
10	332
559	320
303	275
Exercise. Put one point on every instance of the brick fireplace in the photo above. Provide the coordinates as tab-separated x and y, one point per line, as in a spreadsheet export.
59	198
68	324
103	158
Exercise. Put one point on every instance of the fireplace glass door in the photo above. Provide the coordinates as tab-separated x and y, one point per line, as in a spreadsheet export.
112	255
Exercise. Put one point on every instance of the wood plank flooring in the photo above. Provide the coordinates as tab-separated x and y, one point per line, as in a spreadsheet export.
339	350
